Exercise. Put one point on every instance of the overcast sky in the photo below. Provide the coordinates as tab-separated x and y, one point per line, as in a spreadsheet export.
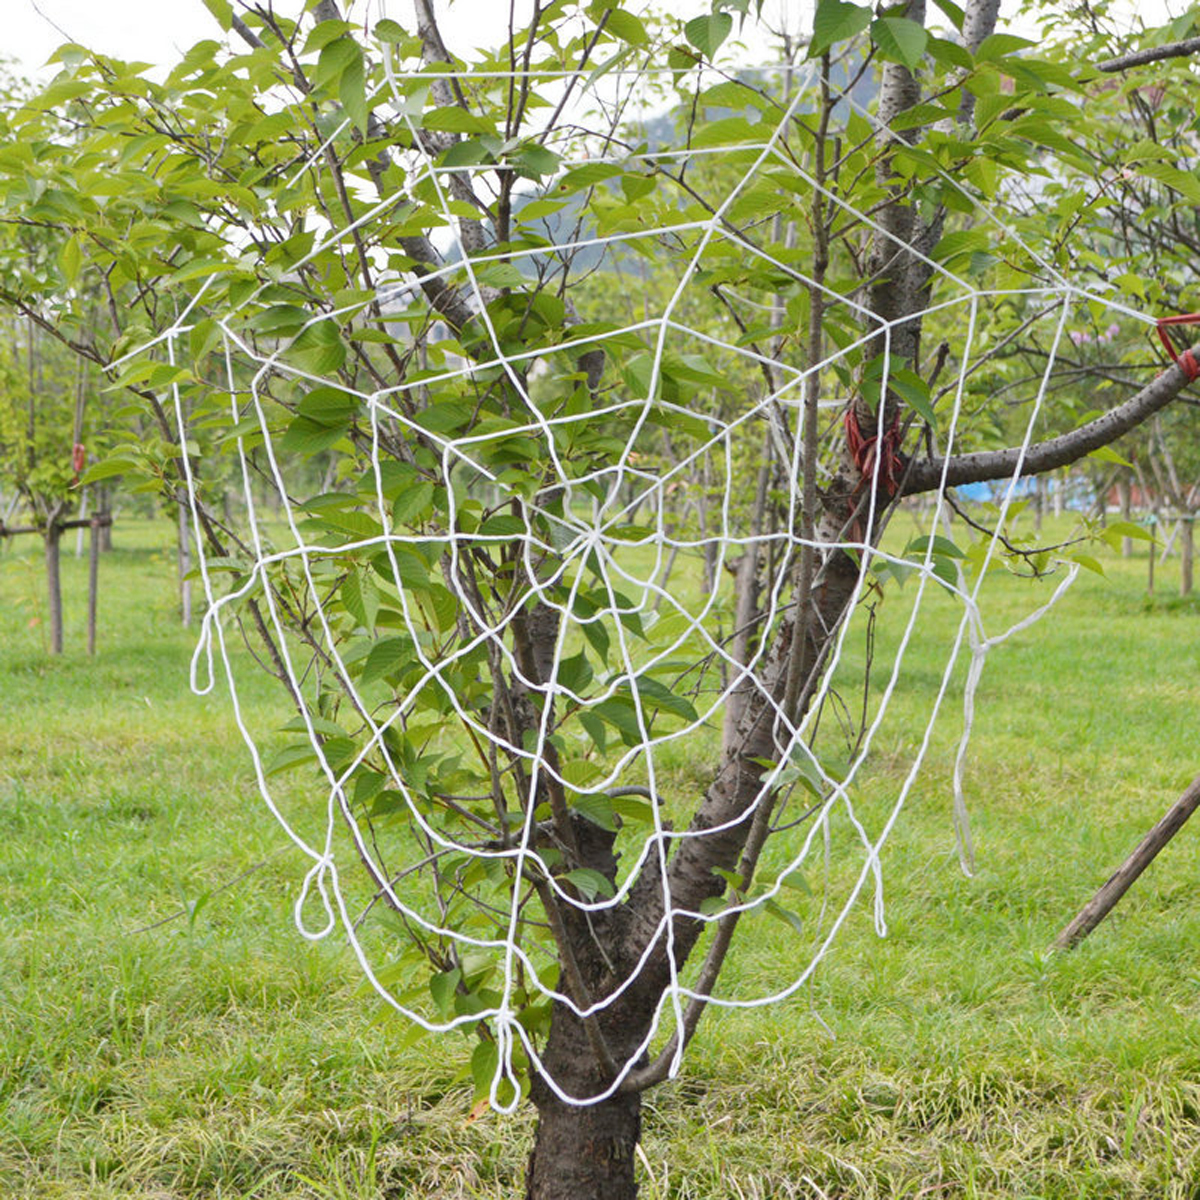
155	30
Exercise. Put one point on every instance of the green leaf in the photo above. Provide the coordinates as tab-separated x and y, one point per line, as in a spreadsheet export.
836	21
319	349
707	33
501	275
589	883
946	53
534	161
485	1058
953	12
941	546
360	598
1116	530
319	724
627	27
442	988
280	320
324	32
336	57
1000	44
1184	182
789	918
535	210
307	437
682	59
368	785
797	882
388	656
619	712
1092	564
222	10
352	91
453	119
70	258
733	879
106	470
503	525
900	40
413	503
594	727
914	391
389	31
329	406
597	809
575	673
1108	454
597	636
945	569
469	153
656	695
730	130
291	757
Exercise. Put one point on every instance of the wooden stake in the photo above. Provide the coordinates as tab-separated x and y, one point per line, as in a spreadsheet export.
1105	900
53	534
93	583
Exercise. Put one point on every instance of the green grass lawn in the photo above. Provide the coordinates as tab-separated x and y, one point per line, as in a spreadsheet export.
219	1055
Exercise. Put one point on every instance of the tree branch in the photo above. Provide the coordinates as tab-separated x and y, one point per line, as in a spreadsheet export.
926	474
1139	58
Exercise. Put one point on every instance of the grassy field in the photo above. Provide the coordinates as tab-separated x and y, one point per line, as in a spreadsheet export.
218	1055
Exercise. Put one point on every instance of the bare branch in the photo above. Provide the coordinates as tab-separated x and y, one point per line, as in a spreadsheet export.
926	474
1139	58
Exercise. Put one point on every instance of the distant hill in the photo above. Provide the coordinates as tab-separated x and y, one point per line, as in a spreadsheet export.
664	131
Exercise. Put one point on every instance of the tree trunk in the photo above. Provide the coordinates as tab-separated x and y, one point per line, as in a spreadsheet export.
746	596
1123	491
709	543
1187	553
54	583
84	507
104	508
580	1153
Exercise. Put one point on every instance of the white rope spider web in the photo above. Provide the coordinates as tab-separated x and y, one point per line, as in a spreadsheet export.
588	534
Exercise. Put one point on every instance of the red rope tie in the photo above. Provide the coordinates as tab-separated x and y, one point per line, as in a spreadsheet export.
1186	361
868	451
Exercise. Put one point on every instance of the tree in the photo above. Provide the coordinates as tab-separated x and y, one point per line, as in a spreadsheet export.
335	262
42	433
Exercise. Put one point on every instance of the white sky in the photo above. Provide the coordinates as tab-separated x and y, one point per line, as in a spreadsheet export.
158	30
